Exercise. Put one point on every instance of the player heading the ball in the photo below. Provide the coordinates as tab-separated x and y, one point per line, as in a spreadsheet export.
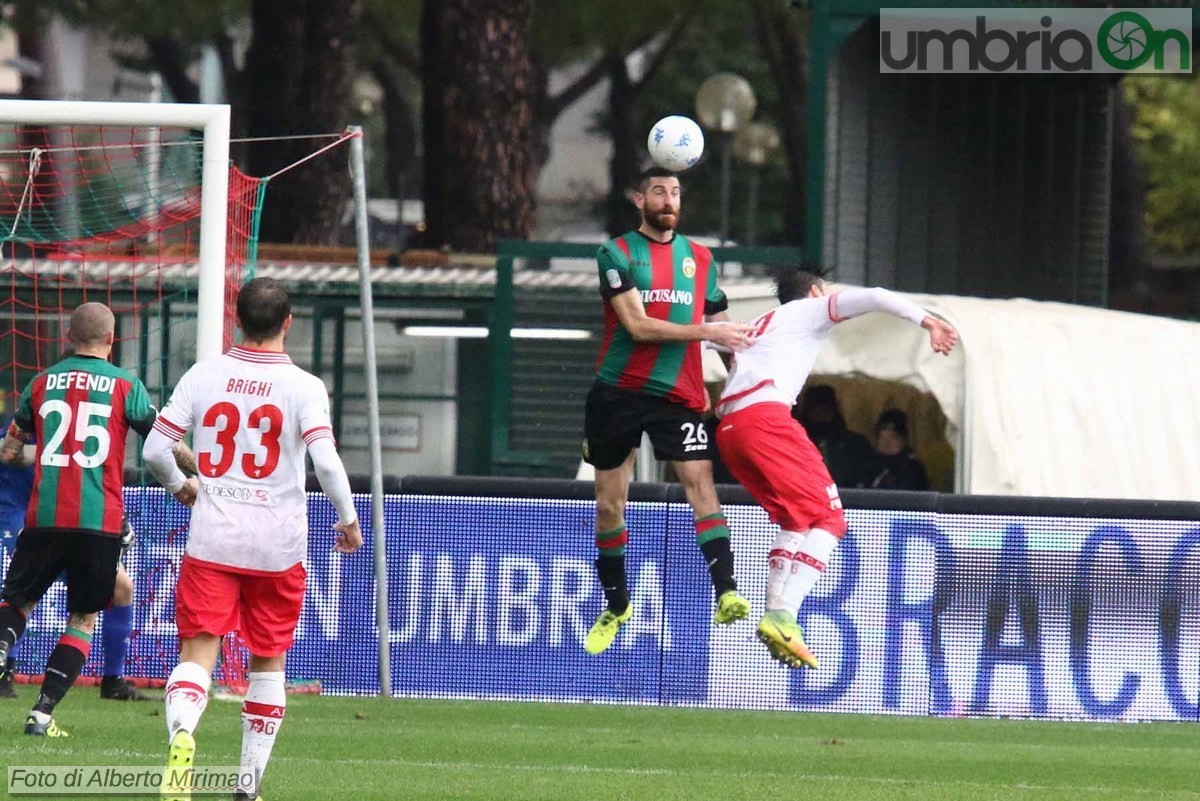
661	300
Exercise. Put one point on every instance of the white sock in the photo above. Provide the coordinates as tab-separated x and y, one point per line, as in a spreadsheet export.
262	715
808	563
779	565
186	696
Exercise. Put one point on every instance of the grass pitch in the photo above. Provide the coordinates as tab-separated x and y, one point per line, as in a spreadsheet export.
359	748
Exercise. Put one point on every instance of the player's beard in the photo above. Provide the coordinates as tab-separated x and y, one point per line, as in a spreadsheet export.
655	219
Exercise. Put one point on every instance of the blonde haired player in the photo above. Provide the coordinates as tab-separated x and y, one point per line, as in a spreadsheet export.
772	456
253	413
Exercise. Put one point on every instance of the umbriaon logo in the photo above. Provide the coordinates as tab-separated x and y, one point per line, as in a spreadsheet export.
996	40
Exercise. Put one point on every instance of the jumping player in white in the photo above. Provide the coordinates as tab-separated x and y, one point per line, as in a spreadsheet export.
772	456
253	413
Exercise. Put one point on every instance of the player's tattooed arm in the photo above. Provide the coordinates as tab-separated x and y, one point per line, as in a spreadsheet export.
16	449
185	459
16	453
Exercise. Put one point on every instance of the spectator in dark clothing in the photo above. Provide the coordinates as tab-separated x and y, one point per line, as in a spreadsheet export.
899	467
849	456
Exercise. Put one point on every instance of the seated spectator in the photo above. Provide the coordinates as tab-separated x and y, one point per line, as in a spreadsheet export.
899	467
849	456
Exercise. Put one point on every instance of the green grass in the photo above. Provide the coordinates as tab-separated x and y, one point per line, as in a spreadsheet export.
352	748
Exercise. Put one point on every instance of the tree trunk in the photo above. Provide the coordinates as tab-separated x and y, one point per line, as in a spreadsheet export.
784	48
400	134
301	57
400	138
479	132
1127	229
544	113
433	124
625	165
171	60
30	41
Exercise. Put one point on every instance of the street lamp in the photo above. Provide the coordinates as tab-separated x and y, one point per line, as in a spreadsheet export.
752	145
724	103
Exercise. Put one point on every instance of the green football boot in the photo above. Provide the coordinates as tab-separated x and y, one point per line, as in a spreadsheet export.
785	640
731	606
604	630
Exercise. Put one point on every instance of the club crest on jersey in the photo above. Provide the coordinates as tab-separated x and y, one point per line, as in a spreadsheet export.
689	267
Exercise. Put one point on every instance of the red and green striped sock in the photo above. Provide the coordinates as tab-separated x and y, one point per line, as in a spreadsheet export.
712	535
612	543
65	663
610	566
711	527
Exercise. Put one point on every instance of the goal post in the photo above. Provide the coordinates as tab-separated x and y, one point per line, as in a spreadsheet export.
137	206
129	205
213	120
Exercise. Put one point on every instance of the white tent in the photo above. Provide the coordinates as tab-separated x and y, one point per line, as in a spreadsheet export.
1042	399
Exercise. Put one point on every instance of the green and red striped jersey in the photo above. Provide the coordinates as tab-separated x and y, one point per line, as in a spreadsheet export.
80	411
678	283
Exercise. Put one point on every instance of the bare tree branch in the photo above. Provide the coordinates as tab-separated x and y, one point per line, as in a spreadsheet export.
669	41
783	49
560	102
402	52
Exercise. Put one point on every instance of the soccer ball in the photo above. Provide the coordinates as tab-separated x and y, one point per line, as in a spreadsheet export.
675	143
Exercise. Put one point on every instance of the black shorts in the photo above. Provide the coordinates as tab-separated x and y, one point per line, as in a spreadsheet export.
88	559
614	419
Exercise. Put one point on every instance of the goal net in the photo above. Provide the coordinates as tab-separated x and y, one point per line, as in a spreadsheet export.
147	217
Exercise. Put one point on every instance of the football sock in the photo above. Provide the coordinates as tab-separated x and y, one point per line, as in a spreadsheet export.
12	624
612	543
611	571
808	563
66	660
186	696
780	565
114	637
712	535
262	715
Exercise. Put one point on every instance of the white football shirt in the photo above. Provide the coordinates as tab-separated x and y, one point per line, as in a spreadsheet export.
253	413
788	339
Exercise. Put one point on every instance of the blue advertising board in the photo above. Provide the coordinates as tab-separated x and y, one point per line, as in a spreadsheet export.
919	613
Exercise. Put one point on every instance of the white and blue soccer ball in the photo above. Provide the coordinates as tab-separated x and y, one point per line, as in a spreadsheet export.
675	142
